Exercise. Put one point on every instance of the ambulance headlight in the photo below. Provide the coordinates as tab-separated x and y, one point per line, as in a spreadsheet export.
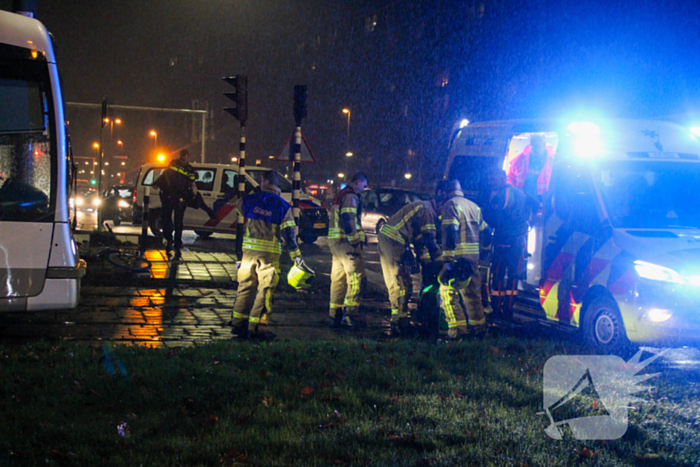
658	315
657	273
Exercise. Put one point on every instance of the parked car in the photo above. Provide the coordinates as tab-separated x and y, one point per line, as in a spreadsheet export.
218	184
116	204
378	204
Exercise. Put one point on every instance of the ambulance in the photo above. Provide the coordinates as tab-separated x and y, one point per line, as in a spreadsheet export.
614	251
218	184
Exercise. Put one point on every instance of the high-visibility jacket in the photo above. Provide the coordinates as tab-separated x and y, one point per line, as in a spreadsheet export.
265	214
175	183
346	203
466	216
517	173
410	222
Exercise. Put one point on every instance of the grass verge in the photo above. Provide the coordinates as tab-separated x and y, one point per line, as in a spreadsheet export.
355	402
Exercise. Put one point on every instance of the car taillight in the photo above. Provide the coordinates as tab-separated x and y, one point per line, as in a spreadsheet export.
134	199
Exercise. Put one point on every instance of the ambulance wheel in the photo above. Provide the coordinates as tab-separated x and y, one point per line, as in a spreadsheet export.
155	223
203	233
308	238
603	327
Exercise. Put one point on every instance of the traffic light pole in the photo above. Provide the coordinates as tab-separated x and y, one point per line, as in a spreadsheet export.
240	112
296	184
240	225
299	115
100	227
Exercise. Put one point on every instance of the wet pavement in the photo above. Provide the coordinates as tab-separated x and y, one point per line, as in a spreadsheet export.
189	302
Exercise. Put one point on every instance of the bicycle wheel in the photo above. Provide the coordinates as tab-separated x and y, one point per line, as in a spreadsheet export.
128	261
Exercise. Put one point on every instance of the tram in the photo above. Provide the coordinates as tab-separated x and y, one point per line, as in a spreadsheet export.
40	268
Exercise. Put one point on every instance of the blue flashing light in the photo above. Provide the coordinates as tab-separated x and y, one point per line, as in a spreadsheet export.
463	123
585	139
584	128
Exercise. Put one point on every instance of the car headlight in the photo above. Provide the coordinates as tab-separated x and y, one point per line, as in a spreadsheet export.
78	201
656	272
123	204
96	201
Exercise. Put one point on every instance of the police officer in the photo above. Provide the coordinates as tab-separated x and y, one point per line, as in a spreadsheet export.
460	283
268	219
346	238
507	212
177	188
413	223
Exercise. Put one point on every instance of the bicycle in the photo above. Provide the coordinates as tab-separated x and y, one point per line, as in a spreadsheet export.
133	262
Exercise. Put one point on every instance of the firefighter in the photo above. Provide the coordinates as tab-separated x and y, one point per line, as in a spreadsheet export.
346	238
507	212
268	219
413	223
177	188
460	281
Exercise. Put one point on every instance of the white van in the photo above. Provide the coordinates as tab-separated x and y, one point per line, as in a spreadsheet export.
217	183
615	249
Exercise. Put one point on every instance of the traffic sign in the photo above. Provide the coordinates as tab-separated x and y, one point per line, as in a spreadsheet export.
287	154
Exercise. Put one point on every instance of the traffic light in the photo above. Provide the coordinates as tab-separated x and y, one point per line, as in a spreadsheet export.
239	96
93	182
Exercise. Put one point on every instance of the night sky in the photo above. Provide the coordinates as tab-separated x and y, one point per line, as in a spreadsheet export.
503	60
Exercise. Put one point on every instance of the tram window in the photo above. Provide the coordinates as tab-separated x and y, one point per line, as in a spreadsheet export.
26	143
25	100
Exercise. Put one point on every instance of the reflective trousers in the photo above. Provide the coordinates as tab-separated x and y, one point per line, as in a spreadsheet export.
257	278
398	283
347	276
168	207
461	302
507	269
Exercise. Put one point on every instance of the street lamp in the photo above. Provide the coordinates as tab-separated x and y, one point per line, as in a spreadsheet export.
155	138
347	137
111	122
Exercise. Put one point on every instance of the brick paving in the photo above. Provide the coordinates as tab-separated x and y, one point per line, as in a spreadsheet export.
181	303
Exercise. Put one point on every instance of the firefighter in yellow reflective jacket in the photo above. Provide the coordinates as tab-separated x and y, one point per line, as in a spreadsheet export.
413	223
460	283
346	238
268	219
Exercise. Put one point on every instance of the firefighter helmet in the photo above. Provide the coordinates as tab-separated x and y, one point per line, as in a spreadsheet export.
300	276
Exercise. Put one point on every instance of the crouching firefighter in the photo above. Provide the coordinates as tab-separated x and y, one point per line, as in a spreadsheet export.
412	224
460	281
346	238
268	219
